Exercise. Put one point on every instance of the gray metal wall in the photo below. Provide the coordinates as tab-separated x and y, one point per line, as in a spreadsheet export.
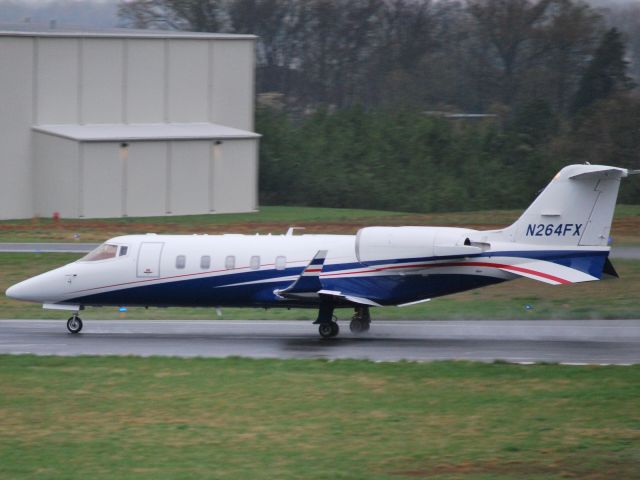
147	178
67	80
16	118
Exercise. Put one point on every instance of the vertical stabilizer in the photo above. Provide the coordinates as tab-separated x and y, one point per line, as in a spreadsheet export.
575	209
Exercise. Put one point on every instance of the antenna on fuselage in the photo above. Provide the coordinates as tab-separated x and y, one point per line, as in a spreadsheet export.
292	230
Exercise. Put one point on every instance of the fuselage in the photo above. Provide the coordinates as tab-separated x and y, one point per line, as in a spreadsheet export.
250	270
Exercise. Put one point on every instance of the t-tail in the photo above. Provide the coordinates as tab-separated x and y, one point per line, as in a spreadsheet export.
568	225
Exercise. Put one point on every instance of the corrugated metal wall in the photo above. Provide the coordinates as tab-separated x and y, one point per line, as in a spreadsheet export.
60	80
145	178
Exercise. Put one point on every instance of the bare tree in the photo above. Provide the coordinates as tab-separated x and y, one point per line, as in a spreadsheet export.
193	15
279	26
471	55
570	39
511	30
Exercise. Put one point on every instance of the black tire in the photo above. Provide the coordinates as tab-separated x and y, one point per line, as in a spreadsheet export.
356	325
74	324
326	330
335	329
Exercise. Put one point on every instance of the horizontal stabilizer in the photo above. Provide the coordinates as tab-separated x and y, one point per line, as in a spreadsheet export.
601	171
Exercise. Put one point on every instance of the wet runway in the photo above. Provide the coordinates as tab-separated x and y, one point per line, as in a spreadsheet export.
562	341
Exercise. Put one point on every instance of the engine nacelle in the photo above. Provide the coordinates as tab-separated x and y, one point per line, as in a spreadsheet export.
391	243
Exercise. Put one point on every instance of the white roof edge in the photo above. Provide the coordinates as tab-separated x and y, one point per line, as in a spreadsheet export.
22	31
145	132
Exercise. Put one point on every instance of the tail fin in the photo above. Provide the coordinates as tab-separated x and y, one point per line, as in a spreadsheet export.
575	209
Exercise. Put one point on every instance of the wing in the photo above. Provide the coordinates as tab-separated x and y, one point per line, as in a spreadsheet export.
309	285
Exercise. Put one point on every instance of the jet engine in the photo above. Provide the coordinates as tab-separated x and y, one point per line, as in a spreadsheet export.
390	243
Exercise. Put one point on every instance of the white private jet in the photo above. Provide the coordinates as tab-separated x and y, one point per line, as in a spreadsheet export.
561	238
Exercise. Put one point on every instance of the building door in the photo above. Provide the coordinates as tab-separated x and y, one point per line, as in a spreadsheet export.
149	259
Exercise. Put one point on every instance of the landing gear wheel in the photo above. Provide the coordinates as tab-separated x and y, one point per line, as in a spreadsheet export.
361	320
74	324
335	329
328	329
358	326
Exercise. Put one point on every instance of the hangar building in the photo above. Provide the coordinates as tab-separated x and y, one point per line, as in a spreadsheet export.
126	122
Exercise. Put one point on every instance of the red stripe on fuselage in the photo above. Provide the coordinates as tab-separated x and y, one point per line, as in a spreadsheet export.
456	264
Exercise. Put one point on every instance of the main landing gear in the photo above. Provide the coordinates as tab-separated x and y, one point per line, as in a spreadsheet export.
74	324
328	327
361	320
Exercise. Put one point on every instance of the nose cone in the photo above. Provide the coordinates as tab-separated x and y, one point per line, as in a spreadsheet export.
13	292
25	291
45	288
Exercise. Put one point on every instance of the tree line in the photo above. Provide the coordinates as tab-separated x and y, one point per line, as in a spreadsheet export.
355	96
408	161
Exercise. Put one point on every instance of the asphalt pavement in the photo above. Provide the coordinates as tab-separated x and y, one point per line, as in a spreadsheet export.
561	341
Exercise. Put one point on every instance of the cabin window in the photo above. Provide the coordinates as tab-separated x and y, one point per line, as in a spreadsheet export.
123	251
205	262
181	261
281	262
230	262
103	252
254	263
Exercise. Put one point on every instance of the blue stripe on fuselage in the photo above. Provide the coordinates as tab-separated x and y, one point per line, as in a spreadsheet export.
202	292
389	289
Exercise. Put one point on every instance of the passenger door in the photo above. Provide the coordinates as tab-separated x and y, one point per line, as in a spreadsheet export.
149	259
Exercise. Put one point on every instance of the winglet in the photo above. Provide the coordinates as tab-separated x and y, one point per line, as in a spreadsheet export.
309	280
315	265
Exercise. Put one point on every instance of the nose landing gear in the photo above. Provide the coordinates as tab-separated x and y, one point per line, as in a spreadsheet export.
74	324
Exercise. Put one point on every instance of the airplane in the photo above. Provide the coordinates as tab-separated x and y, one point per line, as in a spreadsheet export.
562	238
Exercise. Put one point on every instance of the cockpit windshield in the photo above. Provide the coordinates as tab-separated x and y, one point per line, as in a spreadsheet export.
103	252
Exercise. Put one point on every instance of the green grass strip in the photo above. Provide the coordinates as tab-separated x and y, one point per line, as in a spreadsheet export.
164	418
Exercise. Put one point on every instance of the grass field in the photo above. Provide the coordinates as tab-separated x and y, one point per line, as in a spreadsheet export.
626	227
616	298
105	418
